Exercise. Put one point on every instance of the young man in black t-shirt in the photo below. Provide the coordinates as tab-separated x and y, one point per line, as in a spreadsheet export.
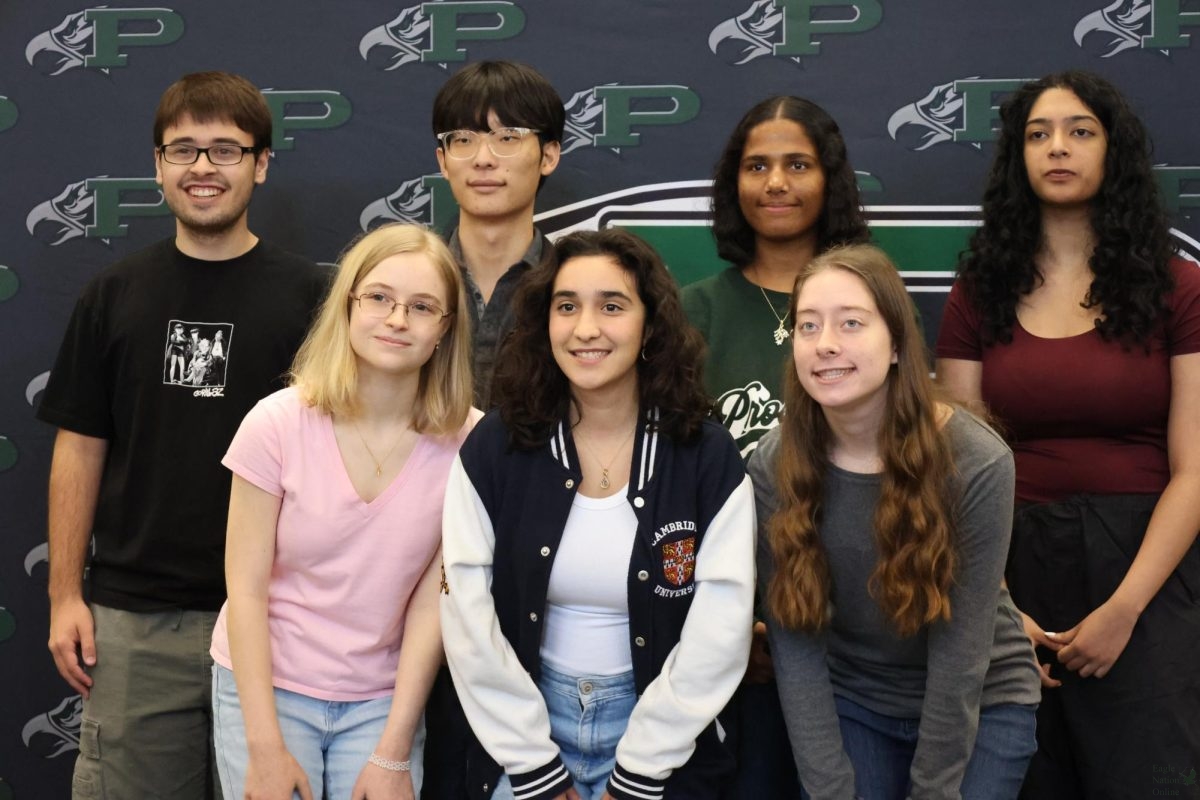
143	422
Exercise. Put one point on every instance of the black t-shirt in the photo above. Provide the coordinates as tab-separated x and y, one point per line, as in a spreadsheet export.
163	356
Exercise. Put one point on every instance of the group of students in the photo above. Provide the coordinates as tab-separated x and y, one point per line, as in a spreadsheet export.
599	558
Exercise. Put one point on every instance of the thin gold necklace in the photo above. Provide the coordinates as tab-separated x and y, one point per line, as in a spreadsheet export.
379	462
604	481
781	333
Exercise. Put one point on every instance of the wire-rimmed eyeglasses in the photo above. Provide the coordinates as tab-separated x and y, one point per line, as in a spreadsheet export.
377	305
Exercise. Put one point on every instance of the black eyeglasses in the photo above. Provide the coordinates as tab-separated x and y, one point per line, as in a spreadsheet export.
219	155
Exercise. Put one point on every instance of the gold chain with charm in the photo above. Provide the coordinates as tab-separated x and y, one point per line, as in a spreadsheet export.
781	333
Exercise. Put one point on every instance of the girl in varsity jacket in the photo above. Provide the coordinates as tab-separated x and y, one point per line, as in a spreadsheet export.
598	541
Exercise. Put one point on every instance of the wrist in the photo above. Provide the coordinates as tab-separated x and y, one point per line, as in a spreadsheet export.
394	744
266	746
1126	604
62	597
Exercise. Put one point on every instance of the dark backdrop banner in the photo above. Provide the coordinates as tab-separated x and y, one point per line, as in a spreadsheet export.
652	88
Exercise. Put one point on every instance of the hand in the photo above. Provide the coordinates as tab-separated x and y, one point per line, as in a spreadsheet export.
571	794
760	669
1040	637
273	775
73	634
1094	645
377	783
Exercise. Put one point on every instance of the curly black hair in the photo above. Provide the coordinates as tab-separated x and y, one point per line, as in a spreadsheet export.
1132	277
532	392
841	220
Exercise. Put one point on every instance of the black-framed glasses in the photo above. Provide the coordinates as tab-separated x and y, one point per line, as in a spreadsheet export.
377	305
503	142
219	155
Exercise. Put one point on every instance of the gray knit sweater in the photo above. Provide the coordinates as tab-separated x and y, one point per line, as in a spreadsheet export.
944	674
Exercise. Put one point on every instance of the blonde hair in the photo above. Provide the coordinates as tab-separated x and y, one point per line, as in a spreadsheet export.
914	519
325	369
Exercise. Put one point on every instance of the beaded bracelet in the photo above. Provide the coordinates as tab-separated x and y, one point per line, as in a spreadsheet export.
387	763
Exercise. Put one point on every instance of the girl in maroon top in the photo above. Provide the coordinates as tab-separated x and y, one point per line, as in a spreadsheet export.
1079	327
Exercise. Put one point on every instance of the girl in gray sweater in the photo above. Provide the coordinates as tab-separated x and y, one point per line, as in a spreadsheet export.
885	515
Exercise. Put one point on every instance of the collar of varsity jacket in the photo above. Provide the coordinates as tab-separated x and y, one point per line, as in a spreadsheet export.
645	450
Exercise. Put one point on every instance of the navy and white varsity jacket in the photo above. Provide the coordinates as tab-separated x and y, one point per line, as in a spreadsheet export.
690	591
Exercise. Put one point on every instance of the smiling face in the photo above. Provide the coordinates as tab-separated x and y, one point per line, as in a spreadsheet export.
597	325
842	348
781	184
401	342
496	188
1065	146
208	200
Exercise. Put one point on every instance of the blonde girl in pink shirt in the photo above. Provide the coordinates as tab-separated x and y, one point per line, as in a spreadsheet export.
329	641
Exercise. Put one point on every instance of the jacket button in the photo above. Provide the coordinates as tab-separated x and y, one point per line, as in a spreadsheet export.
485	787
570	484
640	642
533	616
545	551
643	575
639	502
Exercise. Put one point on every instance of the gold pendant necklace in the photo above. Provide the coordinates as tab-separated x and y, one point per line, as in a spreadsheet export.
379	462
781	333
605	483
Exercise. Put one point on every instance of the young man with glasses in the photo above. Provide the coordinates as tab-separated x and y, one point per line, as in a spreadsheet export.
137	456
499	127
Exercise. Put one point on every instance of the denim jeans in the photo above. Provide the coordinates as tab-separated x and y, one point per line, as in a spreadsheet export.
330	740
587	718
881	750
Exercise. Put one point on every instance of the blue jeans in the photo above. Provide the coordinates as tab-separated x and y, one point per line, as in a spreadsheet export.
330	740
881	750
587	718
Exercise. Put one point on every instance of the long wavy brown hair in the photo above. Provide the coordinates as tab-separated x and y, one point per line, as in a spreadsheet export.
914	525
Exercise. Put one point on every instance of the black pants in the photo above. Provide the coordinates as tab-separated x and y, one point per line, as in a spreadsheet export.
446	737
765	766
1138	728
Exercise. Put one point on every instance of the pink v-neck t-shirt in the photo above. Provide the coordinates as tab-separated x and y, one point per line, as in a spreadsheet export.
344	569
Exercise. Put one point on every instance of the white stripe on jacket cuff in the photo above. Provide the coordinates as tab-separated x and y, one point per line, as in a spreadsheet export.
545	783
625	785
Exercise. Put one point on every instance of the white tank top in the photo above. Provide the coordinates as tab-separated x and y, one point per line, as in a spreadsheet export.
587	604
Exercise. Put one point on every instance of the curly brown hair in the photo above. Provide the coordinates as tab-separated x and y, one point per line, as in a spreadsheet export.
914	528
532	392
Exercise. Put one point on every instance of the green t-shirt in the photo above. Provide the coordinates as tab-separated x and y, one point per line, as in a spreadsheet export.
744	368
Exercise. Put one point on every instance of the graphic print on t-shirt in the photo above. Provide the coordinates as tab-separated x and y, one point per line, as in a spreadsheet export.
196	354
748	412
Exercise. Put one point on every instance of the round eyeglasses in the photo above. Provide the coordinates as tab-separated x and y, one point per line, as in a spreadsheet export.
503	142
377	305
219	155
